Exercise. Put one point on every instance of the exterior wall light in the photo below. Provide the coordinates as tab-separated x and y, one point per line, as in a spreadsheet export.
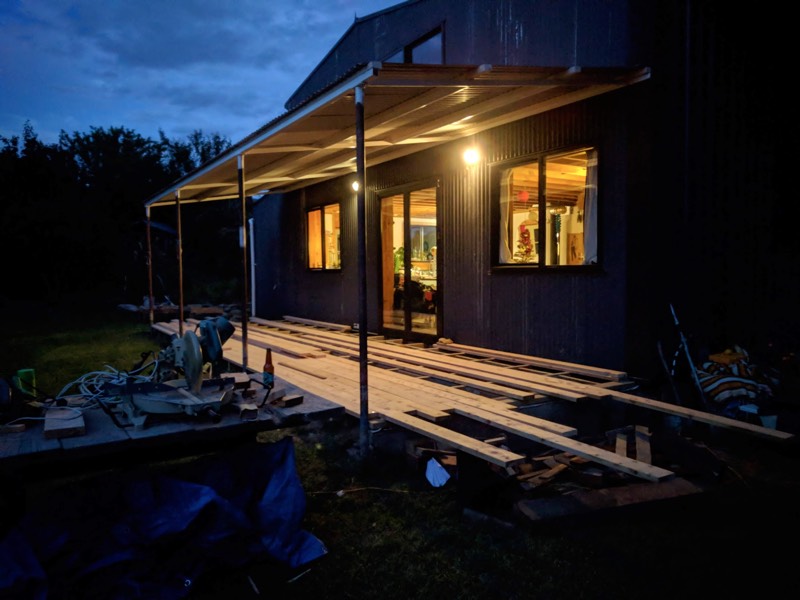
471	156
355	186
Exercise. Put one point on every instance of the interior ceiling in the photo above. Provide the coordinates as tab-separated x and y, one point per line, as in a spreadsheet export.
407	108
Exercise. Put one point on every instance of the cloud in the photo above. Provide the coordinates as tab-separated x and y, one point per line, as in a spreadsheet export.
174	65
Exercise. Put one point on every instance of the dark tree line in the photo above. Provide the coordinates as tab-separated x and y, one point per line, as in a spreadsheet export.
72	218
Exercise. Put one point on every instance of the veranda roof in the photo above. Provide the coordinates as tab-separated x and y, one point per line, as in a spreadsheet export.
407	108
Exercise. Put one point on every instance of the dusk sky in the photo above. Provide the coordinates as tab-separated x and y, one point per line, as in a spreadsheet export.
176	65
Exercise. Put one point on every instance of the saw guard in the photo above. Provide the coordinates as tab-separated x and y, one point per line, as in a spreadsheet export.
192	361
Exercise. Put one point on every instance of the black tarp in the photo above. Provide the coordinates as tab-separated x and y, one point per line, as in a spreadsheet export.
143	534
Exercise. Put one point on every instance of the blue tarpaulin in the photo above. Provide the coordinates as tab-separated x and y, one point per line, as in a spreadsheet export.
146	535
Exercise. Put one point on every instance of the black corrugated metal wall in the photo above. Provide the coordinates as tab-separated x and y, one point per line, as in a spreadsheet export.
689	214
734	266
577	316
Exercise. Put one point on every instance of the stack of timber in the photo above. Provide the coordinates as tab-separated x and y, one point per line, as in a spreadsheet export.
422	390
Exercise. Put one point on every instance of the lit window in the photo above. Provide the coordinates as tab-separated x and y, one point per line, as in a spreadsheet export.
323	238
548	210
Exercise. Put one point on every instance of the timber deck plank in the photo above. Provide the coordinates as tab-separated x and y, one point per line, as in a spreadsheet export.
520	386
626	397
478	448
536	361
442	397
493	373
323	324
418	384
389	405
478	384
489	408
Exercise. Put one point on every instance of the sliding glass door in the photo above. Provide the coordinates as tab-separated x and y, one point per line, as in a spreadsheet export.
409	264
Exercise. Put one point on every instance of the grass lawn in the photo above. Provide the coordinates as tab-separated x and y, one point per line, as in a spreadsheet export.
390	534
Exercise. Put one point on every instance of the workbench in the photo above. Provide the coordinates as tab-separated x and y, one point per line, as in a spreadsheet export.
31	452
104	508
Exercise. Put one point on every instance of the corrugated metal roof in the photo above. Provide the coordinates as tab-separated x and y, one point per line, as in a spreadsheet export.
309	87
407	108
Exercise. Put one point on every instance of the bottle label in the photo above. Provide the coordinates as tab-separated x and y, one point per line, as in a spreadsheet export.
268	378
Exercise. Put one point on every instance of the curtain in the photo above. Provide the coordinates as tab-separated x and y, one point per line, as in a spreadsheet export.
506	256
590	210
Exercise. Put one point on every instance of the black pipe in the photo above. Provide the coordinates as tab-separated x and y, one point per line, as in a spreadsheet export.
245	287
150	270
363	430
180	264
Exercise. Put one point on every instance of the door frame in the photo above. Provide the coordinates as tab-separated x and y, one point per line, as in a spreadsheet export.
407	334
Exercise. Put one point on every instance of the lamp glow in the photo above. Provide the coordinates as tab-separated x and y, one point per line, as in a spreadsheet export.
471	156
355	186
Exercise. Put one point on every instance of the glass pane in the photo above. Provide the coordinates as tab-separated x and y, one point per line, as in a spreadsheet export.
422	288
397	57
566	230
519	214
314	241
428	52
566	181
392	231
332	232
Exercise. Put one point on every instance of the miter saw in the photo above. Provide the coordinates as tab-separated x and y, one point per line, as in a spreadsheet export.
186	377
191	352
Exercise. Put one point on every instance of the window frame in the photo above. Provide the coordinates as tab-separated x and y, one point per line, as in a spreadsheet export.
407	51
497	173
320	240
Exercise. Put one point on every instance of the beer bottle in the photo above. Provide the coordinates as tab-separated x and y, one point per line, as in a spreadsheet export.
268	373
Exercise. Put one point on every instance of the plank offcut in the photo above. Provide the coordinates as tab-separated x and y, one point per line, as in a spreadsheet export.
63	422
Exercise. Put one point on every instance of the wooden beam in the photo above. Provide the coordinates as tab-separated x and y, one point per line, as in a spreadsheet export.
701	416
477	448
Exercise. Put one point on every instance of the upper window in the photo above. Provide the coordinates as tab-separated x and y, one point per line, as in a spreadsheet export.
548	210
427	50
323	238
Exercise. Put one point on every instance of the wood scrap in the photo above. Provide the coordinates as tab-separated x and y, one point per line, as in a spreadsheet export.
621	444
565	458
448	461
248	411
642	437
286	401
537	479
276	394
63	422
531	474
240	380
500	439
611	434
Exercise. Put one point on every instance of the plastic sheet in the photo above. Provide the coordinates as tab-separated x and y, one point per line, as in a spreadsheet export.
437	475
144	535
